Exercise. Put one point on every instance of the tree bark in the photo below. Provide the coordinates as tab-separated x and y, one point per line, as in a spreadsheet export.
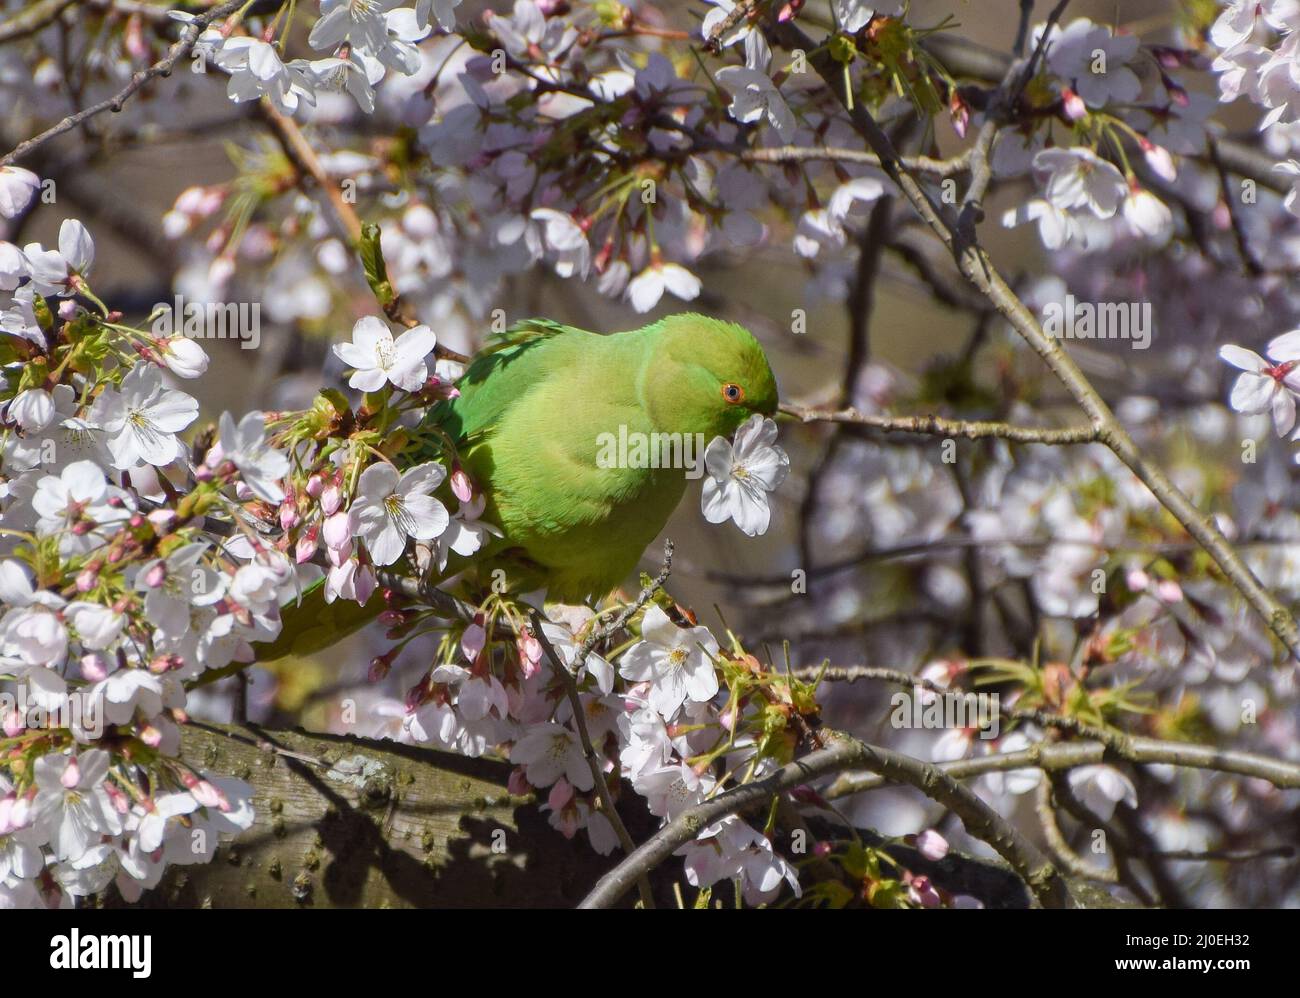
343	822
374	824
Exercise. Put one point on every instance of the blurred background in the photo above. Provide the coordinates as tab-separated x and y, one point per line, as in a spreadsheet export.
882	527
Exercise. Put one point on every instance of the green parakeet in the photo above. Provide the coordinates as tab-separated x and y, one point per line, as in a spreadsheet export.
536	424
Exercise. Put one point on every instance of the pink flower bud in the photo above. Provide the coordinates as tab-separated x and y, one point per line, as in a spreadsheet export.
518	783
1073	104
121	802
379	666
560	795
220	272
932	845
288	514
71	774
364	583
306	546
788	11
182	356
1158	158
437	388
416	694
959	111
94	666
924	894
530	649
213	198
209	796
156	575
461	486
1169	591
472	642
189	200
13	724
315	486
336	531
330	499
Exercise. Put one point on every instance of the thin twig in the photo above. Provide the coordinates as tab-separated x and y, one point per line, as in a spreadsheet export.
163	67
417	589
1055	839
981	821
33	19
1248	260
938	426
1039	50
1050	756
1022	30
965	543
303	156
950	167
258	739
1283	775
598	634
962	57
589	752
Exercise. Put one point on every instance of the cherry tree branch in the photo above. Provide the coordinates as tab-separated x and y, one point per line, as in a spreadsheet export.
842	753
598	634
938	426
976	266
962	57
1283	775
1053	756
1045	808
951	167
303	156
356	822
33	19
180	50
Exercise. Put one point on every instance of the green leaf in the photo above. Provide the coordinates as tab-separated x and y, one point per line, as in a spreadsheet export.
372	261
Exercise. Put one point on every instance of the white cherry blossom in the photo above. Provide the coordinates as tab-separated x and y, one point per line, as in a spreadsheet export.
392	506
378	358
741	475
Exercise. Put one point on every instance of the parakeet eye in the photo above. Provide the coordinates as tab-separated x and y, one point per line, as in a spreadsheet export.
732	392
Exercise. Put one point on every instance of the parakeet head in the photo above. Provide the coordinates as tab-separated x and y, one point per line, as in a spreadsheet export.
707	376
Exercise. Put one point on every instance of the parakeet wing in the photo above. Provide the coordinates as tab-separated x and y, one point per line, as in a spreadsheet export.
503	371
